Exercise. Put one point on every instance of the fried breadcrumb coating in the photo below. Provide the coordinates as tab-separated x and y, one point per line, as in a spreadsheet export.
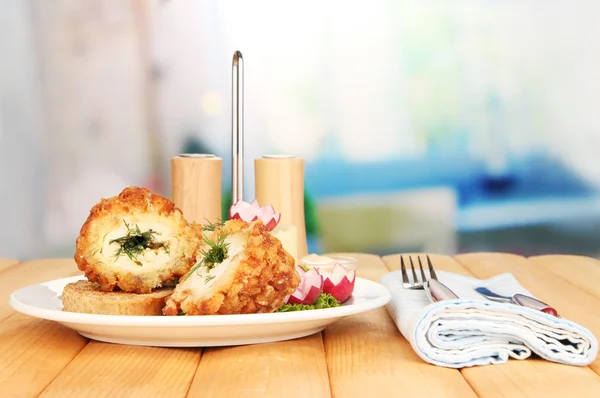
136	242
255	276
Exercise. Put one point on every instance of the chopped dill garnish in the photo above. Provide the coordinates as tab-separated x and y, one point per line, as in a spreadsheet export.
215	254
209	278
211	227
136	241
181	313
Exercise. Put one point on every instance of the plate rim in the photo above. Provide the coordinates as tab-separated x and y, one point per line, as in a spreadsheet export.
382	298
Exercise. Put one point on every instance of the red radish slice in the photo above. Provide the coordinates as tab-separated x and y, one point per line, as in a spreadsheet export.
310	288
272	223
242	210
252	211
339	283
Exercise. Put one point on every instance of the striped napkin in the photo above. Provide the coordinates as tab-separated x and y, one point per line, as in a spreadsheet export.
474	331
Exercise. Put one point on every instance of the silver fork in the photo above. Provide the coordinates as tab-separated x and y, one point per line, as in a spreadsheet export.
436	291
416	284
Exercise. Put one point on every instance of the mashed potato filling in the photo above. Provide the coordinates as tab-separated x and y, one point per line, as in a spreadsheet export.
202	281
149	258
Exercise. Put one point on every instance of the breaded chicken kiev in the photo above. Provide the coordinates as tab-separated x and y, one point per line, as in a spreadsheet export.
243	269
136	242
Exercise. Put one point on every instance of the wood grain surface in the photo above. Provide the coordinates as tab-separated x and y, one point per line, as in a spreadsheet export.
361	355
28	273
33	352
196	187
6	263
367	350
37	350
280	183
110	370
278	369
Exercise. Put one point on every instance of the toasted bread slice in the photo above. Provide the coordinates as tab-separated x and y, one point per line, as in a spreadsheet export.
86	297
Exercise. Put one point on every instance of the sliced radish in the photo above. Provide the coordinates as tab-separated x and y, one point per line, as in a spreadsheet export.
310	288
339	282
252	211
272	223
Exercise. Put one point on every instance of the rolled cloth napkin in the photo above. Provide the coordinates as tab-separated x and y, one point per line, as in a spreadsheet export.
473	331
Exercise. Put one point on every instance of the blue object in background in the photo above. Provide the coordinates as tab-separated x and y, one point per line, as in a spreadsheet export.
538	189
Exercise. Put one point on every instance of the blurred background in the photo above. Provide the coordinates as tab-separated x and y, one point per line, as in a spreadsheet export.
441	126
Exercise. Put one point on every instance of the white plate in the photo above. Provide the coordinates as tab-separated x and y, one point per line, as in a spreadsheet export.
44	301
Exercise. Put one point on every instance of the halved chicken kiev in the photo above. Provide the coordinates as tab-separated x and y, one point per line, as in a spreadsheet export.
136	242
243	269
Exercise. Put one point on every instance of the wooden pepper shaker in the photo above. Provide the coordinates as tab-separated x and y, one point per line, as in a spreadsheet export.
279	181
196	186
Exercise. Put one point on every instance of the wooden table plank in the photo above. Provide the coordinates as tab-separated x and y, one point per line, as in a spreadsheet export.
28	273
535	377
283	369
277	369
578	270
367	356
28	346
112	370
43	270
6	263
33	352
442	262
372	360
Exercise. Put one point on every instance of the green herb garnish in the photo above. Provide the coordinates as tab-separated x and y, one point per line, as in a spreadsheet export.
209	278
323	301
136	241
211	227
216	253
181	313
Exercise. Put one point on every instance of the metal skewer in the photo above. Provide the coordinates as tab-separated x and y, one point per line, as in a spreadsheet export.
237	127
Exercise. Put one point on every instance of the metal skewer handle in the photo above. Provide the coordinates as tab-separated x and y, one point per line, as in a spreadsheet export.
237	127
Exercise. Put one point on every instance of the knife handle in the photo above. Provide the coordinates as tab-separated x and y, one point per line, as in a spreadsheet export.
531	302
550	310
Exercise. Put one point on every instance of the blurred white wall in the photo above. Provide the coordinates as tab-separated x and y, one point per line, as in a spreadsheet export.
22	128
94	90
99	94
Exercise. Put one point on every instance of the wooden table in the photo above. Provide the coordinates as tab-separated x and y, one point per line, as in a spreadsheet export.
360	356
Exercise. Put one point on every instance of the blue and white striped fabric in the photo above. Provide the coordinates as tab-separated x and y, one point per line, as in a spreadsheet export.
473	331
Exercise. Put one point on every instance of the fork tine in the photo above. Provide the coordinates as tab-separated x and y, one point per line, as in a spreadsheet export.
404	275
421	267
431	270
415	279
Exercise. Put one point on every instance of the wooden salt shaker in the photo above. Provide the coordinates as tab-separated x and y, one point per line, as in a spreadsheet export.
196	186
279	181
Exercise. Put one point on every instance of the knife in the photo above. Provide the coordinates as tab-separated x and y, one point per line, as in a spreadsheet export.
437	291
519	299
